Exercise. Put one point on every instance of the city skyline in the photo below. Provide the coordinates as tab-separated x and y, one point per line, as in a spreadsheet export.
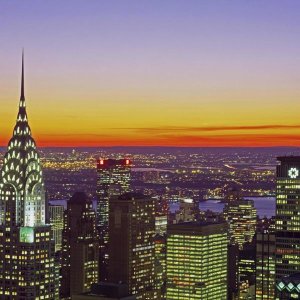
143	74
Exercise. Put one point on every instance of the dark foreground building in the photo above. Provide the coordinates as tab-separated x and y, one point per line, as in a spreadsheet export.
80	247
131	244
113	179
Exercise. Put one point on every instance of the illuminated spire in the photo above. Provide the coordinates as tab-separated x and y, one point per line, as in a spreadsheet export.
22	98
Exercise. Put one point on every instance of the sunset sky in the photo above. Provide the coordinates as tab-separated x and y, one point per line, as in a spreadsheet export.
174	73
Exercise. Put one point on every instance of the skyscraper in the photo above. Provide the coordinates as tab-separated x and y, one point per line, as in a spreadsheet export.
56	216
241	217
113	179
197	261
287	216
80	247
265	265
26	249
131	244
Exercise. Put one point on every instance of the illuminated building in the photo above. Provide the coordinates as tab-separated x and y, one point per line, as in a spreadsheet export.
56	214
246	271
197	261
287	226
80	247
113	179
131	244
241	217
106	291
160	242
265	265
161	215
26	249
288	287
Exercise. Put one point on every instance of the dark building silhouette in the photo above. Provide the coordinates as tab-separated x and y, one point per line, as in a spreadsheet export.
113	179
80	247
27	267
131	244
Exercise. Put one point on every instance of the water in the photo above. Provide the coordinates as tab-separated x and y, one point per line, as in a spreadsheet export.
265	205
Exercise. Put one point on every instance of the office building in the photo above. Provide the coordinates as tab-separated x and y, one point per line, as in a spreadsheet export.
56	218
287	226
197	261
131	244
113	179
265	265
80	247
241	217
26	249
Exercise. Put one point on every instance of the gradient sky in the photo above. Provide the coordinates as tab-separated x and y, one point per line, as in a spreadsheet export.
184	73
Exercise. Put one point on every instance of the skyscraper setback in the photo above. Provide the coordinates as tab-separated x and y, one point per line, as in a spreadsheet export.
26	249
113	179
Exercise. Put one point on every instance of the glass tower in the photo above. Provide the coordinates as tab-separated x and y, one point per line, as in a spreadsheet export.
26	248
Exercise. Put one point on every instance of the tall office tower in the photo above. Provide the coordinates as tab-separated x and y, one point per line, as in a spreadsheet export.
246	271
265	265
26	249
80	247
197	261
241	217
160	242
233	271
287	224
56	217
113	179
161	215
131	244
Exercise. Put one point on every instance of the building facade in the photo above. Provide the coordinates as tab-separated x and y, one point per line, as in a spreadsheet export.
80	247
56	218
26	248
265	265
197	261
287	216
113	179
131	244
241	217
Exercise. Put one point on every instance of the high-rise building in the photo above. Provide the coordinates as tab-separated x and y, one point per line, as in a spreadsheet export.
131	244
287	225
265	265
26	249
241	217
113	179
56	217
197	261
80	247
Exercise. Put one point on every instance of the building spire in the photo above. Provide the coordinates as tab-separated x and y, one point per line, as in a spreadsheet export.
22	79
